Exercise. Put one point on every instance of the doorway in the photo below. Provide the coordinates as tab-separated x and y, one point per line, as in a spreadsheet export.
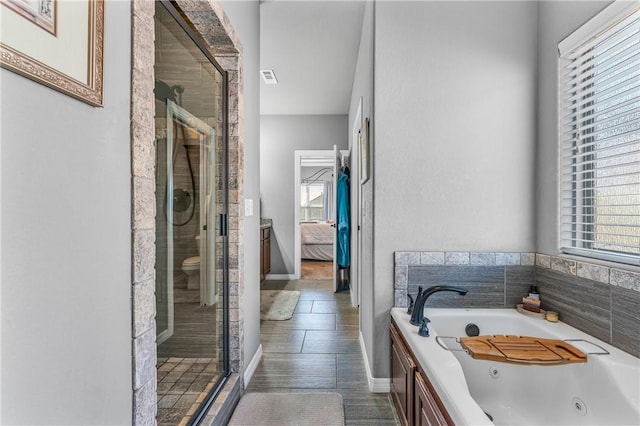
190	122
316	236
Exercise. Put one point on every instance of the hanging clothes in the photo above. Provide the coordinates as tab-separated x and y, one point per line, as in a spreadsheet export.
343	220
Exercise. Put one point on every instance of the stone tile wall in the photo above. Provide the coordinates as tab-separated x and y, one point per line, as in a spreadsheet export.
208	19
599	300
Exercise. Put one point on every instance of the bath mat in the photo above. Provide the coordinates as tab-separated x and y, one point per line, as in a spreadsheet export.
278	305
289	409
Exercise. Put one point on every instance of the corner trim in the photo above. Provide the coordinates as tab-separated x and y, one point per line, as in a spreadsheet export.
376	385
251	367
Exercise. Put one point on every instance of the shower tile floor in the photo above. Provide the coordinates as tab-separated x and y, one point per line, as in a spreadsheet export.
185	367
182	385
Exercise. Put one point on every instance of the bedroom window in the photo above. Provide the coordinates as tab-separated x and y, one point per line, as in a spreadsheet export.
311	201
599	134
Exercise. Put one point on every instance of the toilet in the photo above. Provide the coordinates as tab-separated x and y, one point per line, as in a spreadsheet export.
191	267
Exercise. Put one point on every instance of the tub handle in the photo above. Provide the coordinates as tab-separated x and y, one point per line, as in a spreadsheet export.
604	351
439	340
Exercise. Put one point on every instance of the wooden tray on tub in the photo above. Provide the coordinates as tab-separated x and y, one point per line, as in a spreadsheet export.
522	350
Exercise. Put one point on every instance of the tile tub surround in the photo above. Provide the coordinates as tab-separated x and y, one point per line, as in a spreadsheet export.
600	300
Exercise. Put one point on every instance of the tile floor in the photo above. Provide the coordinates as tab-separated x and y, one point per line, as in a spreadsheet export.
318	351
182	385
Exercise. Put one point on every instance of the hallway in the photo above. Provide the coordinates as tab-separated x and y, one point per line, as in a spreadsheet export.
318	351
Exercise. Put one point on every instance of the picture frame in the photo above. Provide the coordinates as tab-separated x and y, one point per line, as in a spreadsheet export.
364	155
56	43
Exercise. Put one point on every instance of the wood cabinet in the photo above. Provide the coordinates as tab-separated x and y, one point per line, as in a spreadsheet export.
426	408
265	252
402	372
413	395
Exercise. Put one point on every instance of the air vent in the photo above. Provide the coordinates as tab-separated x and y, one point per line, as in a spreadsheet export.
269	76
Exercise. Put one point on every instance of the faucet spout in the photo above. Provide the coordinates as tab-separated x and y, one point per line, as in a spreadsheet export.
417	315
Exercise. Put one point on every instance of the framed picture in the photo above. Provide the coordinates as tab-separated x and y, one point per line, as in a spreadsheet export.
58	43
364	152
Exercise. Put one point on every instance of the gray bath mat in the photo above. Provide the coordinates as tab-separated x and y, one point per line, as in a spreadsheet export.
280	409
278	305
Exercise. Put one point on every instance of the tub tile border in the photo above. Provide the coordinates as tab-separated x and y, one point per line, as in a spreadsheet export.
594	271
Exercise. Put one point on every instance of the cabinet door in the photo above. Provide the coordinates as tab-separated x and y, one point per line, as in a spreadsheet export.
402	371
261	258
267	255
427	412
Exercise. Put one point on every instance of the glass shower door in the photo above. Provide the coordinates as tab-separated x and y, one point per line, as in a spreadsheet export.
191	187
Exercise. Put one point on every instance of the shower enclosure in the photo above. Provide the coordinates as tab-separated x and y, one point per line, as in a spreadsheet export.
191	208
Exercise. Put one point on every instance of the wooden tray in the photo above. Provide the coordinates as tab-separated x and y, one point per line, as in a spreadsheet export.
522	350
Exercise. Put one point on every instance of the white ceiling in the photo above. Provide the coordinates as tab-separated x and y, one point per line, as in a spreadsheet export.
312	47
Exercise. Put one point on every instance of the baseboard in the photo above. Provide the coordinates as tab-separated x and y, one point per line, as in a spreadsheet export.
251	367
280	277
376	385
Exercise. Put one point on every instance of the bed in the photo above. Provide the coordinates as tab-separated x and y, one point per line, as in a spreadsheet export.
317	241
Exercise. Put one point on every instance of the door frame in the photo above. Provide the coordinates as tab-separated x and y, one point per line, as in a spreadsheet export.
356	196
324	158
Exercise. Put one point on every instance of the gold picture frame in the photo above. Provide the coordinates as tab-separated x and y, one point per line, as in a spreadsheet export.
66	56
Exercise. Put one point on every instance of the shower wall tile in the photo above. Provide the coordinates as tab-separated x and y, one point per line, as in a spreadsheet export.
144	300
144	402
625	318
581	303
144	358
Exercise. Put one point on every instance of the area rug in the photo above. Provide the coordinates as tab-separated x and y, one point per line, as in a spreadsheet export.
289	409
278	305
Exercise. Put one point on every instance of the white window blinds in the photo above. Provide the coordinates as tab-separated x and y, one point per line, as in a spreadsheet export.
599	126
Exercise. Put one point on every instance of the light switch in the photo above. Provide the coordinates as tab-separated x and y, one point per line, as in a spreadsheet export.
248	207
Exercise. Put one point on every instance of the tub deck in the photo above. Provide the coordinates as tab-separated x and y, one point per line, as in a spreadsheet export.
605	390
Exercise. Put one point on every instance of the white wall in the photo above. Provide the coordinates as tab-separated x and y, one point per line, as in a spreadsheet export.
455	96
245	18
363	89
280	136
66	238
556	20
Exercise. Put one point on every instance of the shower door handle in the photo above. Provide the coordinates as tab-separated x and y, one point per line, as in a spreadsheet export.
223	224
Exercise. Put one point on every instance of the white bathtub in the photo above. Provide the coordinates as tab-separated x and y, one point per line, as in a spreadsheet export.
604	391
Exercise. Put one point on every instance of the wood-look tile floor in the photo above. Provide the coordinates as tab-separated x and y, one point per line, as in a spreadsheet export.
318	351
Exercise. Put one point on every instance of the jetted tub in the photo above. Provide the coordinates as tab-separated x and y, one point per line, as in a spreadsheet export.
604	391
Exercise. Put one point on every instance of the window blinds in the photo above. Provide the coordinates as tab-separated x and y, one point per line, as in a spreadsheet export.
599	133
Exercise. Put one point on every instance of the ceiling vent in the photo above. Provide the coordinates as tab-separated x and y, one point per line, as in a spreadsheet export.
269	76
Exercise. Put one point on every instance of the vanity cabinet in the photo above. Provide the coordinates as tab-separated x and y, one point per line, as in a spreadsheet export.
413	395
265	252
402	372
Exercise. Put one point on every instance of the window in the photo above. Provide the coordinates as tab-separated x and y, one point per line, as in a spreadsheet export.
599	127
311	201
